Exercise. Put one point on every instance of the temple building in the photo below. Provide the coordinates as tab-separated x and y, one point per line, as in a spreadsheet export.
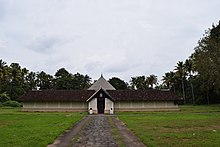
101	97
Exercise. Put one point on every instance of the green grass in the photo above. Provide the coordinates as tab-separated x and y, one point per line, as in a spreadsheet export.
191	126
24	129
116	133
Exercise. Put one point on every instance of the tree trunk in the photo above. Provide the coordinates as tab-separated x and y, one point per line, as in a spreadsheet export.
207	96
193	96
183	88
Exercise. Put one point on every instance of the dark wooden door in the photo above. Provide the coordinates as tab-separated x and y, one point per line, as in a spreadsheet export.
101	104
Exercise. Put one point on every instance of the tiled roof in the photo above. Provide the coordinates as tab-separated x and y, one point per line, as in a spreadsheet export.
83	95
157	95
101	83
57	95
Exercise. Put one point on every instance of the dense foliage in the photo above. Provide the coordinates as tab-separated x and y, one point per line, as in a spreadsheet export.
15	81
118	83
198	78
143	82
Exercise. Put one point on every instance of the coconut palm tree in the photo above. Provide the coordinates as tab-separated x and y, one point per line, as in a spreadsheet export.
180	72
188	67
138	82
169	80
151	80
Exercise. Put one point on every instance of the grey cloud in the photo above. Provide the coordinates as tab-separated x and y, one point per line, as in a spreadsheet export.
44	44
120	67
2	10
2	44
94	66
121	38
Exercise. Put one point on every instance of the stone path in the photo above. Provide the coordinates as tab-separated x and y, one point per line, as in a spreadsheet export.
98	131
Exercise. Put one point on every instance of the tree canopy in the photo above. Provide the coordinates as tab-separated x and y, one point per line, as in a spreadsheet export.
15	80
143	82
118	84
197	79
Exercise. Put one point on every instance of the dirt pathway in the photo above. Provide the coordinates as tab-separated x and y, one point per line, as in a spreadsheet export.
98	131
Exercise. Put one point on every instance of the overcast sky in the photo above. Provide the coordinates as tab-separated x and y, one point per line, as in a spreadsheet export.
121	38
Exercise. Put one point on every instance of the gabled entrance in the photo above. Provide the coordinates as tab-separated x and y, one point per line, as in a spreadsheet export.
100	102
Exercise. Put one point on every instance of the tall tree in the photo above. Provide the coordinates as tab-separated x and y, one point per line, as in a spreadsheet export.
167	80
45	81
31	81
180	72
62	72
81	81
86	81
63	79
4	76
206	60
189	68
118	83
16	83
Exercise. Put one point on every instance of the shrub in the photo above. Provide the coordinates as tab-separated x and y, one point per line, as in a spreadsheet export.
4	97
12	104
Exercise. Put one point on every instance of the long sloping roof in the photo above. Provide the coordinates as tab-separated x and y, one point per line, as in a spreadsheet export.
101	83
157	95
84	95
57	95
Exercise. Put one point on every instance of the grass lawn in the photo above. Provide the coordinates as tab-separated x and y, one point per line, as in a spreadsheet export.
191	126
24	129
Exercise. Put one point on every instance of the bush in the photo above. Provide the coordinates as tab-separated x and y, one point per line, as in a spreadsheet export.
12	104
4	97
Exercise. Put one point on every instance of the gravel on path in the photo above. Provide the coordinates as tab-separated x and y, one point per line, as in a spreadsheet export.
98	131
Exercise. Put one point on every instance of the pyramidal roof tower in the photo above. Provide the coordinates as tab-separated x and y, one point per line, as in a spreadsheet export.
101	83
